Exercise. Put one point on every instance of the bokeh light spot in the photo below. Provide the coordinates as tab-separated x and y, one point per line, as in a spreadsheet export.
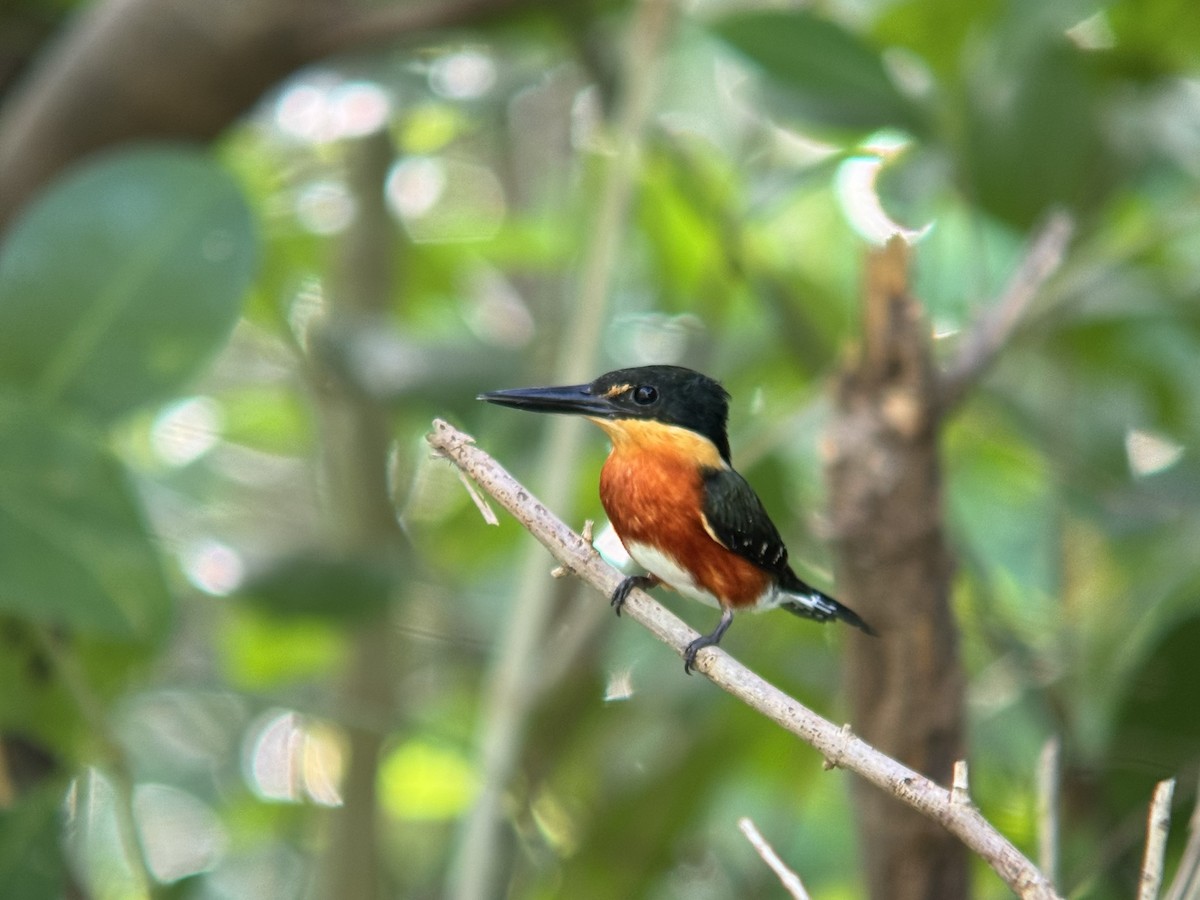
213	567
325	207
1149	452
414	185
855	188
180	834
291	759
465	75
423	780
184	431
359	108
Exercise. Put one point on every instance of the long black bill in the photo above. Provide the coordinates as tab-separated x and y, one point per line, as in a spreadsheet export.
574	400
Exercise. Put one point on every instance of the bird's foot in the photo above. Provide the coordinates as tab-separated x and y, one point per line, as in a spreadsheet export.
706	640
689	653
621	594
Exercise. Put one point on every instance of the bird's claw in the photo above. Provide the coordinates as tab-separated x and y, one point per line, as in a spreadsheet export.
689	658
690	651
621	594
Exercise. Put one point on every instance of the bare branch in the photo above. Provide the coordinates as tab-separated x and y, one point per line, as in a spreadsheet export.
790	880
1186	884
840	746
1047	807
1158	825
983	343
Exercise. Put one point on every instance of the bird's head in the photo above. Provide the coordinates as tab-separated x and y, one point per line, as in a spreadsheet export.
670	396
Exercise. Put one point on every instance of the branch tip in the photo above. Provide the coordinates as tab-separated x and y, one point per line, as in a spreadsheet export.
788	878
984	341
960	788
1158	825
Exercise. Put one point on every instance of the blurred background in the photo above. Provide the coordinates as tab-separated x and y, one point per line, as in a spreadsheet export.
258	642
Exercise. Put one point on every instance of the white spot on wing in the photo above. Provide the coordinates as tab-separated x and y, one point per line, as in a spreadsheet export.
815	602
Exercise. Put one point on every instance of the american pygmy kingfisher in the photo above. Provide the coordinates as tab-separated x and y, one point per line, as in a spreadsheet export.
672	495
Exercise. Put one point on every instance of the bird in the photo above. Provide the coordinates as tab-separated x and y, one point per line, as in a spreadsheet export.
681	510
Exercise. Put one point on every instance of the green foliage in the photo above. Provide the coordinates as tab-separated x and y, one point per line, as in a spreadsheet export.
158	248
29	839
340	589
116	285
74	546
828	75
122	280
212	616
1034	136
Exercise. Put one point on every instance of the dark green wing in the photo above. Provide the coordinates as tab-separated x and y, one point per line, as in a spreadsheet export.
735	516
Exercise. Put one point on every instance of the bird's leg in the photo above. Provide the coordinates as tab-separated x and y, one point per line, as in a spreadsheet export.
707	640
633	581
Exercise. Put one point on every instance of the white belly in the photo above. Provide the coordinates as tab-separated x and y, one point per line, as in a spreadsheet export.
670	573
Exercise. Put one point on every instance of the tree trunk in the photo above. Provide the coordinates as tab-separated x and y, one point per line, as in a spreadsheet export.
906	686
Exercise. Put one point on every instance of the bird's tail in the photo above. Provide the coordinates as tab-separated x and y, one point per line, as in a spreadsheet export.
806	601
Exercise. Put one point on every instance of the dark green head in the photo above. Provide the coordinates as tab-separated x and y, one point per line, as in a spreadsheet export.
671	395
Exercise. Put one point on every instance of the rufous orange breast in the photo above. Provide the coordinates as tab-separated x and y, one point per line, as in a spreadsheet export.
652	488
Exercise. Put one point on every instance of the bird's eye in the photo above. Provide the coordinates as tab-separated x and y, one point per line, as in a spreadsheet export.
645	394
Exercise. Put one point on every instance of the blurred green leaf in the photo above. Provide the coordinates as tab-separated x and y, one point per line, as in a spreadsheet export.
1156	36
1002	506
267	418
262	650
122	279
1034	138
936	30
31	865
34	704
309	585
427	781
964	262
830	76
1156	732
74	547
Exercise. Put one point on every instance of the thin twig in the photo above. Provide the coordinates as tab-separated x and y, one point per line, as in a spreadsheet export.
1047	808
1186	883
481	504
790	880
840	746
1158	825
960	785
983	343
